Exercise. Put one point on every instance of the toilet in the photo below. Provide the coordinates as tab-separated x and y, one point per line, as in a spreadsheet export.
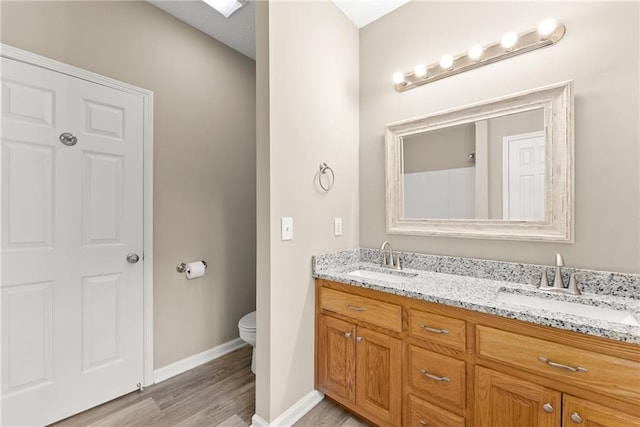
247	328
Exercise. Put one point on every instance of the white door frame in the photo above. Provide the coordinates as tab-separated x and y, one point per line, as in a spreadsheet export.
147	98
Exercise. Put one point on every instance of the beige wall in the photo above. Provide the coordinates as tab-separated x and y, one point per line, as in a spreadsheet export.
599	52
263	213
313	118
204	152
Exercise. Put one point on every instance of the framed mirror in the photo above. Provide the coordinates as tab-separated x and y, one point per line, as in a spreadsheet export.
498	169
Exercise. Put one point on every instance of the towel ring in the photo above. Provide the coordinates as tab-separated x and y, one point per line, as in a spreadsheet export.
323	171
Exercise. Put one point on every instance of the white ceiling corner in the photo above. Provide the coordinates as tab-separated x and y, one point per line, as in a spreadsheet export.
238	31
364	12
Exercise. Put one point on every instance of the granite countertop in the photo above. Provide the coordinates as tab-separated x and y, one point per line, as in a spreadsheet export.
481	295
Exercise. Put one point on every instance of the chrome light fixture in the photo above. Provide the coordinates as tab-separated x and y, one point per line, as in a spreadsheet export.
548	33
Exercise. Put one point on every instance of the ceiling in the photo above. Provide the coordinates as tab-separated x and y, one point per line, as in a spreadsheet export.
238	31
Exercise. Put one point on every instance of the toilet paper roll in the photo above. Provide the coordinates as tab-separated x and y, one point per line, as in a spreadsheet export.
194	270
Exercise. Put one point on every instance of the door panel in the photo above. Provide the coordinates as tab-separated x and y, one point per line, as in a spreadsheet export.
337	360
524	170
502	400
579	412
27	315
101	318
28	191
28	103
379	376
103	120
102	196
72	305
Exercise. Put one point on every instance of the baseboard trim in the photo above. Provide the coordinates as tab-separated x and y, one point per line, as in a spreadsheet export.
196	360
293	414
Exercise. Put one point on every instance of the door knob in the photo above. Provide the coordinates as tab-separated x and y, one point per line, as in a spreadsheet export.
132	258
576	418
68	139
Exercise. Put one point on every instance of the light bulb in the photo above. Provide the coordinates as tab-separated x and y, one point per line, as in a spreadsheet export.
547	27
398	77
475	52
446	61
509	40
420	70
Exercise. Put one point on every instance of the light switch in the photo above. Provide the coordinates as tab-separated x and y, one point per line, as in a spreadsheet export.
337	226
287	228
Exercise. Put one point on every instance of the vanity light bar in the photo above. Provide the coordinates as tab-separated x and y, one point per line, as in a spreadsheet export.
548	33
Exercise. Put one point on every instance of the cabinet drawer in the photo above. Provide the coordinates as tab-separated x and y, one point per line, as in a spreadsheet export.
368	310
583	368
438	329
436	377
421	414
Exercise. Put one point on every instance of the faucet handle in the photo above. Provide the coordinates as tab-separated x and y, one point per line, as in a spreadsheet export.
573	285
544	280
559	260
396	263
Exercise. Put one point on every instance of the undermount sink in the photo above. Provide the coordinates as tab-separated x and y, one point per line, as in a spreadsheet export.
396	277
590	311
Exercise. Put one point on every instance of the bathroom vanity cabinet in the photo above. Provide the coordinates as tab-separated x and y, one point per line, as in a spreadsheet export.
360	366
395	361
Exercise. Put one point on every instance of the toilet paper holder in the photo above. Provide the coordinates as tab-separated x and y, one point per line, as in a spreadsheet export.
182	267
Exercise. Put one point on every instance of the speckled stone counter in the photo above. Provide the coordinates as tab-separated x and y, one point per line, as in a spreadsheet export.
476	284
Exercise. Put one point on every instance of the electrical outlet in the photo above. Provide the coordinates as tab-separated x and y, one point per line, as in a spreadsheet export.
287	228
337	226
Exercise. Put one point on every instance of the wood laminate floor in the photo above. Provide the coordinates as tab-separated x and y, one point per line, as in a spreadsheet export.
218	393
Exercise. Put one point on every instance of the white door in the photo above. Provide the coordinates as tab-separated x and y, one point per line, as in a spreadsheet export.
523	177
71	304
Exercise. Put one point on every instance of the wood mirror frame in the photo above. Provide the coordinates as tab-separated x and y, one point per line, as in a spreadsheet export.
557	225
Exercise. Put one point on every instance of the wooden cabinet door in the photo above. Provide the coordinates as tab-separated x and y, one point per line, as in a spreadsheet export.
578	412
337	358
502	400
379	376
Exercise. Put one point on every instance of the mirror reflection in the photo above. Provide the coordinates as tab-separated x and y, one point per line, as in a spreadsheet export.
488	169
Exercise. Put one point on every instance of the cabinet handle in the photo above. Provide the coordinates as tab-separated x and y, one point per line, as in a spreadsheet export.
548	408
423	423
358	339
561	366
434	330
433	377
576	418
347	335
355	307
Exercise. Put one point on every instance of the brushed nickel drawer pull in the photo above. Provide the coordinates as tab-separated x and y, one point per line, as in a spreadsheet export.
576	418
355	308
347	335
423	423
433	377
358	339
434	330
561	366
548	408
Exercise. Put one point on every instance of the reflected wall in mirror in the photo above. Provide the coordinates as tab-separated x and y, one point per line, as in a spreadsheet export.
487	169
498	169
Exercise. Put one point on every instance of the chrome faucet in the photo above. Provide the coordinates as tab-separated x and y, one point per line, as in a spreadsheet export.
558	285
388	258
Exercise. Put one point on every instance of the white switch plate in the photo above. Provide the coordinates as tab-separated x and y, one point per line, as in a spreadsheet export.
287	228
337	226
